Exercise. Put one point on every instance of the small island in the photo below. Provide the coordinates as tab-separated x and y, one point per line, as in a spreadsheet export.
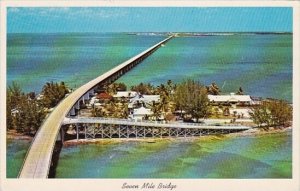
188	102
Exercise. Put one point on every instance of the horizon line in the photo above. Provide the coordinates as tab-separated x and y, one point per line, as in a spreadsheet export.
62	32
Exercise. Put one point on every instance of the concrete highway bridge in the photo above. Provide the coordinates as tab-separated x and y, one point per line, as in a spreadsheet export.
38	158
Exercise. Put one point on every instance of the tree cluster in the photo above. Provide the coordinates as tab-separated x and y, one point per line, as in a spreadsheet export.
272	113
213	89
53	93
191	96
145	89
114	87
23	111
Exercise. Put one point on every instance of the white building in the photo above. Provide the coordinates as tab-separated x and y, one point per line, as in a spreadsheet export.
141	113
125	94
145	99
231	99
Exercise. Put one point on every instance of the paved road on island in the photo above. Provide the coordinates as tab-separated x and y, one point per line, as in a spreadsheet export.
38	159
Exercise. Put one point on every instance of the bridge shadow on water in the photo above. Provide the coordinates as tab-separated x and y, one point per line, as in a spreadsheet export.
55	157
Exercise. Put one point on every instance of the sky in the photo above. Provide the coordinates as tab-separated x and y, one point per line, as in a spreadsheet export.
147	19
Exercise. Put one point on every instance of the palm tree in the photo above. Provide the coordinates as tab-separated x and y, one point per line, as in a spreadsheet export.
240	91
216	112
98	112
124	111
163	105
213	89
155	108
170	86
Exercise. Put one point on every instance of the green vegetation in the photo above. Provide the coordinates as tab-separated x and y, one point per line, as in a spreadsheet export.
240	91
213	89
25	112
165	106
114	87
114	109
53	93
272	113
191	96
98	112
142	88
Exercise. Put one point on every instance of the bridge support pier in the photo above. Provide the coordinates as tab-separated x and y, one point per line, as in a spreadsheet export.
62	135
72	112
77	105
77	132
86	96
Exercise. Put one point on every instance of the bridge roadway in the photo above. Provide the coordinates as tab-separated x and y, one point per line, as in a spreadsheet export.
38	158
114	121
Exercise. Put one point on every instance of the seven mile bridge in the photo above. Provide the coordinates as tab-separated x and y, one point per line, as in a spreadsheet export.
38	159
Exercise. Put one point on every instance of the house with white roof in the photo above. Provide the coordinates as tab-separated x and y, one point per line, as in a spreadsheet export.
232	99
141	113
147	99
125	94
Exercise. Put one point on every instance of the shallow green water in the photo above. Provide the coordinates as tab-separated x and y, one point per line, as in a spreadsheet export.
265	156
16	151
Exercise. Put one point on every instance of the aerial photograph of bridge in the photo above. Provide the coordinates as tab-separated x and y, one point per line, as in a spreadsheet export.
149	92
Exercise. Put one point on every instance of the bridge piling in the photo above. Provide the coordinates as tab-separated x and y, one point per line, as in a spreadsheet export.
62	135
77	132
85	131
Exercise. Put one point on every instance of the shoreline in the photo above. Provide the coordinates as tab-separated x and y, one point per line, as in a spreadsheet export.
12	134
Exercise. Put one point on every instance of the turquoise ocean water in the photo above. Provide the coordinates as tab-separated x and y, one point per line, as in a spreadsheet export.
34	59
261	64
267	156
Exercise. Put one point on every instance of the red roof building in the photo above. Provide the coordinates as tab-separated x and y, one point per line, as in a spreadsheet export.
104	96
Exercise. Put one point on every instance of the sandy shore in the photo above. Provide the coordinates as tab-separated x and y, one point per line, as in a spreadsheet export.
12	134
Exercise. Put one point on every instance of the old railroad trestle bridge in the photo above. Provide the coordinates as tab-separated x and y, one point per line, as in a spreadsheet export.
97	127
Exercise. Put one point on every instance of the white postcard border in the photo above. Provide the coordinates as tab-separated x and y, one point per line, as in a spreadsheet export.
182	184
